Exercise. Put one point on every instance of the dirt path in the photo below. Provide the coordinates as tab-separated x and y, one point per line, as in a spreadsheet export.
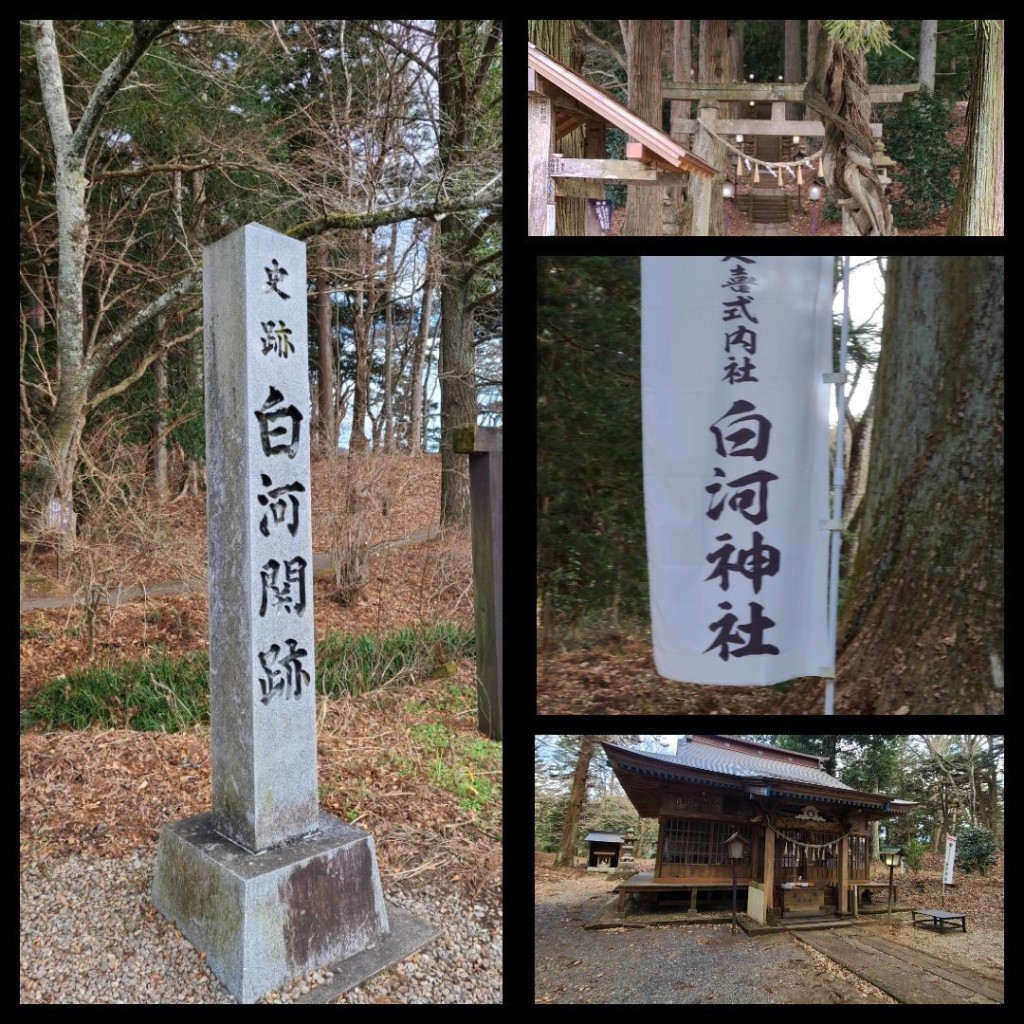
675	964
871	961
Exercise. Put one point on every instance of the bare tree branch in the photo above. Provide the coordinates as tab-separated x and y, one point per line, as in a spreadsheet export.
604	45
113	341
143	366
358	221
140	172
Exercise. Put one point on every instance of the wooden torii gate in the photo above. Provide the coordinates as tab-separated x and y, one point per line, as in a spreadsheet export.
558	101
709	94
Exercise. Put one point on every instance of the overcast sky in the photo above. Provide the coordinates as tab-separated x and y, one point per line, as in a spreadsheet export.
866	295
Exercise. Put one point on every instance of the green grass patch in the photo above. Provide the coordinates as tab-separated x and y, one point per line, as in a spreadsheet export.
470	773
350	665
159	694
466	765
164	694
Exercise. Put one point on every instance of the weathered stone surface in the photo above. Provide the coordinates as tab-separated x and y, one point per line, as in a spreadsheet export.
262	702
267	886
265	918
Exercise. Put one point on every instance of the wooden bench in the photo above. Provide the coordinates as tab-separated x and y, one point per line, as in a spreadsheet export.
939	917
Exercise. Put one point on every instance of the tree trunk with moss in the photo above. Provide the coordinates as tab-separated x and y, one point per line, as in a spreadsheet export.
838	93
561	40
643	72
922	625
978	206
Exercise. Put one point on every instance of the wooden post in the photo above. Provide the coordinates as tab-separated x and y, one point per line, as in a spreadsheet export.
541	123
769	868
844	874
593	148
483	445
701	191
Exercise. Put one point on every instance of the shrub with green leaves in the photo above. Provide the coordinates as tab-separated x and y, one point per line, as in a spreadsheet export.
976	849
913	854
915	137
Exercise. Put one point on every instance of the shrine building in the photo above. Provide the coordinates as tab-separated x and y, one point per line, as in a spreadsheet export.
806	833
604	850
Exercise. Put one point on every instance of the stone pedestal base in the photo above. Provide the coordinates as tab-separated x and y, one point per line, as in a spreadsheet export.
266	918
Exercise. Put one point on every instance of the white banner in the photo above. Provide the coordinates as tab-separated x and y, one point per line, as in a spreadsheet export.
947	875
735	442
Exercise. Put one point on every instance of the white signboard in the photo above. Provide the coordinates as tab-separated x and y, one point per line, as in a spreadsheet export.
735	443
947	876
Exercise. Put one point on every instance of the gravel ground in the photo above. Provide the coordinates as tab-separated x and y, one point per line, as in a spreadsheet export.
675	964
89	934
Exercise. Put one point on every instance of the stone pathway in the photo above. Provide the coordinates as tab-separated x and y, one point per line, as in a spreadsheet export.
905	973
769	229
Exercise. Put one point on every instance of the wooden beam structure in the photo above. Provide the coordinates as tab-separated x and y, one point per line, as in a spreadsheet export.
549	72
767	91
540	135
559	101
633	172
775	93
764	126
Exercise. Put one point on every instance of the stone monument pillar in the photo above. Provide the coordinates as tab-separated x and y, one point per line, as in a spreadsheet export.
267	885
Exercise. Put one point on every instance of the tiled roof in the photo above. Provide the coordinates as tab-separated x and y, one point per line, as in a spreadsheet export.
744	764
603	837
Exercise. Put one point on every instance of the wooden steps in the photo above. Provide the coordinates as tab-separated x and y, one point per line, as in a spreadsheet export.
769	204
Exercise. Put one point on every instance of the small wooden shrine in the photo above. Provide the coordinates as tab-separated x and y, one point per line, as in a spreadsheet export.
559	101
806	833
605	848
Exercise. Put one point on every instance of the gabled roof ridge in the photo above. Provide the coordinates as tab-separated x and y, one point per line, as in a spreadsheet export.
605	106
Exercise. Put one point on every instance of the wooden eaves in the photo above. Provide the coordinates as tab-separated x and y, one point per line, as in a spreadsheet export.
577	100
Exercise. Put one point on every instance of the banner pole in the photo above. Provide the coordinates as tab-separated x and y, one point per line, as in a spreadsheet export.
838	482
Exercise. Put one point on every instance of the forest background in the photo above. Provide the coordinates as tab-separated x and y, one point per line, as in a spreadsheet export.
378	143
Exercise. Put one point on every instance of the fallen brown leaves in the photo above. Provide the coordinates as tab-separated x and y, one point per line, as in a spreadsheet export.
617	677
409	582
978	896
104	793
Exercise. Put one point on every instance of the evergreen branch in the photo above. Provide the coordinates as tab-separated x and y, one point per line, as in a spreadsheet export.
143	34
359	221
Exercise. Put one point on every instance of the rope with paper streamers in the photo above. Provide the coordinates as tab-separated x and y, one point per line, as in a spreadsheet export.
809	846
753	160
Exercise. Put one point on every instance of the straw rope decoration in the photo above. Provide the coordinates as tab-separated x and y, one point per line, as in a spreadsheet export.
793	844
748	160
